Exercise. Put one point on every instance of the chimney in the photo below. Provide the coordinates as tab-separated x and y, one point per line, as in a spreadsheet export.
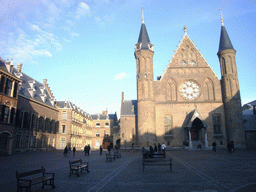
19	67
122	97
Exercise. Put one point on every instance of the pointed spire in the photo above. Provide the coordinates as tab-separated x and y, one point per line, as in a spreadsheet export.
143	37
225	42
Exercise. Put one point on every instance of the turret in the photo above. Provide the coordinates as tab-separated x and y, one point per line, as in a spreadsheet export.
145	93
230	88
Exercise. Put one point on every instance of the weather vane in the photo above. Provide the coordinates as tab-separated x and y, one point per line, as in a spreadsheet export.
185	29
222	23
142	15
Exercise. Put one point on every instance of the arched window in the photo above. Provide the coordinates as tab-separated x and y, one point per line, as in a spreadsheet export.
216	121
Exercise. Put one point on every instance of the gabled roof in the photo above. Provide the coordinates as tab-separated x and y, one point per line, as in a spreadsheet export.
173	61
191	117
225	42
129	108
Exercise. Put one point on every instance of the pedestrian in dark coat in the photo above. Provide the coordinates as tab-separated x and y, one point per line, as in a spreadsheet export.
74	151
101	149
159	148
85	150
109	148
229	146
151	151
88	150
214	146
155	148
65	151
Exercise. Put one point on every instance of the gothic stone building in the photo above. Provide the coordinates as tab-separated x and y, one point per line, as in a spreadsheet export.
188	104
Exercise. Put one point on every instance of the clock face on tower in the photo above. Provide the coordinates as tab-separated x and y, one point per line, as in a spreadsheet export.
189	90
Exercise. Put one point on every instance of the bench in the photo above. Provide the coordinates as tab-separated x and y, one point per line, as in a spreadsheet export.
157	162
117	154
110	157
29	178
159	155
78	166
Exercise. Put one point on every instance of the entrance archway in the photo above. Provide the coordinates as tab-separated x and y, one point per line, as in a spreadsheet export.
197	125
4	143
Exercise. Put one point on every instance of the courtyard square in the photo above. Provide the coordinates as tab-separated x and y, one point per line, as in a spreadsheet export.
193	171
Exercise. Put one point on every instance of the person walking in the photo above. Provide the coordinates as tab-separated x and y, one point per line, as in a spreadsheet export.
229	146
214	146
85	150
65	151
101	149
74	151
88	149
159	148
155	148
109	148
163	148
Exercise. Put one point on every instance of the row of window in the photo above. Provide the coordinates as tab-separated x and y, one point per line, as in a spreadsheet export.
98	124
33	142
26	120
106	134
8	86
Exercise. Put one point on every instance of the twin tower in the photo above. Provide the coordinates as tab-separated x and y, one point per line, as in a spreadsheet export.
158	114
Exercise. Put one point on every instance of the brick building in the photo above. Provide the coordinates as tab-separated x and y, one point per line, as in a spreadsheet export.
34	117
188	104
75	128
9	84
103	126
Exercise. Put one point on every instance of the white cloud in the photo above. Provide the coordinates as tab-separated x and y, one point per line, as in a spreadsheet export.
71	23
36	28
27	48
120	76
83	10
74	34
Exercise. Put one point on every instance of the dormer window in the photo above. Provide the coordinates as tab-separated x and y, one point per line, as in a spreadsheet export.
41	89
43	97
150	46
32	83
32	92
138	46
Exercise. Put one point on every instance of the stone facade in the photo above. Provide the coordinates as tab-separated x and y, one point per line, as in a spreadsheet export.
188	104
75	126
103	126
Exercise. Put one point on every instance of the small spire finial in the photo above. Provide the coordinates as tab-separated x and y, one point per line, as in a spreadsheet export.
142	15
222	23
185	29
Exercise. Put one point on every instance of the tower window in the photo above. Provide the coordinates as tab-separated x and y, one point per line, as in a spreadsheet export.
216	124
168	125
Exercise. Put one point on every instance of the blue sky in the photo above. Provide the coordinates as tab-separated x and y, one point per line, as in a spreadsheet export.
85	49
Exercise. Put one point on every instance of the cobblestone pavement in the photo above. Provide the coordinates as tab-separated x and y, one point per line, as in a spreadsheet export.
193	171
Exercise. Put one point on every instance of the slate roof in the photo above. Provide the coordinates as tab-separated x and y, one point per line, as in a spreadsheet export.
143	37
69	105
103	117
129	108
225	42
40	95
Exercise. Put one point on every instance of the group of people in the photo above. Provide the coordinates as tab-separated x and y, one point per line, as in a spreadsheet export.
67	151
230	146
157	149
87	149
